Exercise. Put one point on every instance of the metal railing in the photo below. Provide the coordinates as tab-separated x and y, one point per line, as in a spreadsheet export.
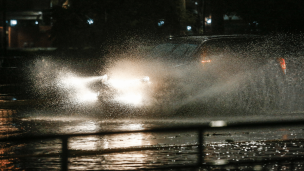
200	129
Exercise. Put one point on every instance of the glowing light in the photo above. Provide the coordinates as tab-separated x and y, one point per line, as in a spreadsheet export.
283	64
218	123
84	143
129	91
133	127
87	96
160	23
104	78
220	162
129	98
204	61
36	22
90	21
79	87
209	21
146	79
189	28
123	84
73	81
13	22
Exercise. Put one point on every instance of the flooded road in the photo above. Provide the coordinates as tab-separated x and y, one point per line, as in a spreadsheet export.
142	150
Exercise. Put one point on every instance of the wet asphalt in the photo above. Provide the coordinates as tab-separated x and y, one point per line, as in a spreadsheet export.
144	150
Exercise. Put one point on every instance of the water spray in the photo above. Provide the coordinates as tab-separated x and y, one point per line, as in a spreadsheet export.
80	87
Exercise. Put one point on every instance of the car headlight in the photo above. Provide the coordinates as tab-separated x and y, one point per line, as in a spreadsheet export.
124	90
146	79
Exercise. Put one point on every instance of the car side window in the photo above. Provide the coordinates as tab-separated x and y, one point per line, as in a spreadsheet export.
219	49
162	49
183	51
174	51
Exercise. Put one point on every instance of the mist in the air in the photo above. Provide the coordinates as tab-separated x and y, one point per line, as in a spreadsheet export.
230	84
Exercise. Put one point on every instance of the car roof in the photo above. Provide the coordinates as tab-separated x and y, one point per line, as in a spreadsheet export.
201	39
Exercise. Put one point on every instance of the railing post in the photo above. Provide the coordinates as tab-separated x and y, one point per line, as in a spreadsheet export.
200	147
292	166
64	154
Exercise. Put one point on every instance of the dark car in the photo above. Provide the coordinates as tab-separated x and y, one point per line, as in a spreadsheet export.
235	71
212	49
245	69
228	72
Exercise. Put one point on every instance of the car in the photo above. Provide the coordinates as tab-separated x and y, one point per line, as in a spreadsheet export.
234	71
217	73
124	90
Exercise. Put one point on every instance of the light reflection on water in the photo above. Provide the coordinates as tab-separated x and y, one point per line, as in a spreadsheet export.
7	128
86	126
7	164
118	160
109	141
84	143
7	125
183	153
133	127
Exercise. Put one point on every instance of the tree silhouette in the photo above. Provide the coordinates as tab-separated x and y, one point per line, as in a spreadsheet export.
116	19
269	15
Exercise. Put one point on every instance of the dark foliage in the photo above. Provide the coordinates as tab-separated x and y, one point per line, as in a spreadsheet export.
116	20
121	20
271	15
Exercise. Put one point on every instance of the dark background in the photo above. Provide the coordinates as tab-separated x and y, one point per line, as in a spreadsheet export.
115	21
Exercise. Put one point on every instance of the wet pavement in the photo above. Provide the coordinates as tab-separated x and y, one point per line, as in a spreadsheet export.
145	150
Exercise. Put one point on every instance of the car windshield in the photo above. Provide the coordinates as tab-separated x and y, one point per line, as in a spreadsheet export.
174	50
